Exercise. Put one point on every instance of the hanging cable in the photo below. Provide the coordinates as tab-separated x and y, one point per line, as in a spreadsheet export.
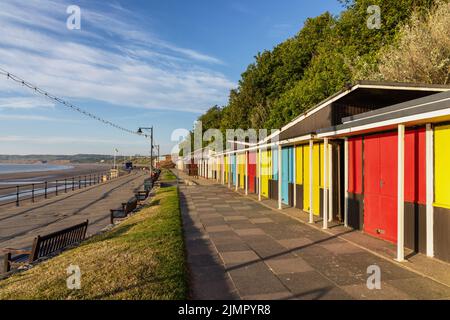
46	94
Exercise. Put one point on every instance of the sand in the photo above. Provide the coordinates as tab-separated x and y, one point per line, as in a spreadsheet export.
77	170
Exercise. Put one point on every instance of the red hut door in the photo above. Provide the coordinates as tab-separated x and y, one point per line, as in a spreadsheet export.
380	186
251	160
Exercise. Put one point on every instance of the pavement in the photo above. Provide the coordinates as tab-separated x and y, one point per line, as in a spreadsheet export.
238	248
19	226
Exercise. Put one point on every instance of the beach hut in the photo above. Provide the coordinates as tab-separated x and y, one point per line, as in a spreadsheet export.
266	171
361	97
301	176
252	175
441	202
273	180
226	169
241	169
298	173
287	173
218	174
233	169
398	179
373	157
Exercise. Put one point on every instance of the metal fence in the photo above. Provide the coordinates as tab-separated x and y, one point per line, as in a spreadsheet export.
19	193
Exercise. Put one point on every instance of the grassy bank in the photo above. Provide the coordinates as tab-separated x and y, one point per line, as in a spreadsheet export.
142	258
167	175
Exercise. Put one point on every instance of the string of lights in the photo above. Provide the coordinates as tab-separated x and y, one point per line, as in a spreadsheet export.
60	101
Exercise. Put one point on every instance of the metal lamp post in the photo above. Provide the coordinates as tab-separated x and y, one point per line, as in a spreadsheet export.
157	147
115	153
140	131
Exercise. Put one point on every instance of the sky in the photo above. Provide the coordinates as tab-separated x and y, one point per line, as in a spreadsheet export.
136	63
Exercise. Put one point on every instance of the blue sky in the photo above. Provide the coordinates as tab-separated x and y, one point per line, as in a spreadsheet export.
135	63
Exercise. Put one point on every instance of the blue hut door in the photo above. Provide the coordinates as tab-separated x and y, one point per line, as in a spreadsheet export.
287	172
233	169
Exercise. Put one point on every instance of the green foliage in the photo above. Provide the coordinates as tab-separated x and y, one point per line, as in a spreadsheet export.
422	52
212	118
326	54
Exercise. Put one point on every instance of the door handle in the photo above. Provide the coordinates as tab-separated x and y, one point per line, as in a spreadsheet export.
381	183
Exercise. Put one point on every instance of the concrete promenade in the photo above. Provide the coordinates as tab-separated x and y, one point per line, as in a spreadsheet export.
240	249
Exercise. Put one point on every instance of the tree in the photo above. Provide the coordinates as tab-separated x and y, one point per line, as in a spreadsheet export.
328	52
212	118
422	52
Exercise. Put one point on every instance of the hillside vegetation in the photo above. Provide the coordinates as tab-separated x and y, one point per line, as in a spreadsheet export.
329	51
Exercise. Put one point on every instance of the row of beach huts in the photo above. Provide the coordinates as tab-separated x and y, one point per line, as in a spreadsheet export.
374	157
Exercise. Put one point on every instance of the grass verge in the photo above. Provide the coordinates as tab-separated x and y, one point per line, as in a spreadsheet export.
167	175
142	258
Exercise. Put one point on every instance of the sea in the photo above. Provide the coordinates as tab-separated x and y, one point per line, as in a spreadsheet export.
20	168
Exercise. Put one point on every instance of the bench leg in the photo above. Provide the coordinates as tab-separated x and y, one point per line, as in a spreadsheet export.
6	264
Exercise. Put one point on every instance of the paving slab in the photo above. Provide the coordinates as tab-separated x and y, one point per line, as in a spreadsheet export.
261	220
242	224
235	218
420	288
255	278
361	292
284	295
249	232
218	228
284	266
313	286
295	243
232	258
231	246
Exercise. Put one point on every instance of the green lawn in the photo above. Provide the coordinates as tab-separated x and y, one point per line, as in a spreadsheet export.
142	258
167	175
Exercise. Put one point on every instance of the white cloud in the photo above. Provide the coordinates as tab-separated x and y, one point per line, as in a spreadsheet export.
32	117
24	103
66	140
132	68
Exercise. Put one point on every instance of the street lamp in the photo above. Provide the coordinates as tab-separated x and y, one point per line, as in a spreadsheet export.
141	131
115	153
157	147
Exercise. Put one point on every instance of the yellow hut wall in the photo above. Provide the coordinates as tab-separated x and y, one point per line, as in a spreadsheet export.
441	167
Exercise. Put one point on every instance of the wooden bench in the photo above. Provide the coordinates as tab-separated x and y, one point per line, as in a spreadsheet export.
141	195
45	245
148	184
124	210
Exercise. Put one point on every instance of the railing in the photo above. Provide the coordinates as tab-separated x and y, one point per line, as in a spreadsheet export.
33	191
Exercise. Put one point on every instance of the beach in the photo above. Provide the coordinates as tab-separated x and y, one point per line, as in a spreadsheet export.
51	175
75	176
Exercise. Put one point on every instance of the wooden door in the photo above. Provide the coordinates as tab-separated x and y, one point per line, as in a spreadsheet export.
380	186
